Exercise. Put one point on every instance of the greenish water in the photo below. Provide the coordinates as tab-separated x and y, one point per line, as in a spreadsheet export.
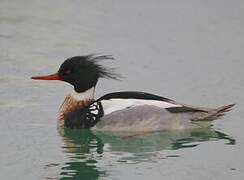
87	150
190	51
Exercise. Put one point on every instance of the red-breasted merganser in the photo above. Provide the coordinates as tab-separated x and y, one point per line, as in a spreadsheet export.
121	111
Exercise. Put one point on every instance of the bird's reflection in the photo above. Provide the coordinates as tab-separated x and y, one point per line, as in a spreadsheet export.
90	151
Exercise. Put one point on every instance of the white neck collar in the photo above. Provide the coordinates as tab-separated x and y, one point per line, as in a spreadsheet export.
88	94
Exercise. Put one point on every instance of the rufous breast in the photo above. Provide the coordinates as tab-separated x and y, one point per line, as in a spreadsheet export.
70	104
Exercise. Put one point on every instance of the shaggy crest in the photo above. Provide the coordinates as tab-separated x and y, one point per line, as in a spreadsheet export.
91	62
104	72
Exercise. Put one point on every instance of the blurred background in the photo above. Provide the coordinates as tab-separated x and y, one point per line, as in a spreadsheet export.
190	51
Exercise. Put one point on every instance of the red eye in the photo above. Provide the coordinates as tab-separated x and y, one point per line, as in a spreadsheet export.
67	71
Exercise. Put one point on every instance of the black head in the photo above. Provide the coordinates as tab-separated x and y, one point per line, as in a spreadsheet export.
82	72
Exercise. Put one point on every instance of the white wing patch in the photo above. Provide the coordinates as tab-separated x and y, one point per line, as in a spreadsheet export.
112	105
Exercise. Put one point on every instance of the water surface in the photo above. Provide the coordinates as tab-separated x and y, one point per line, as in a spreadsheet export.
188	51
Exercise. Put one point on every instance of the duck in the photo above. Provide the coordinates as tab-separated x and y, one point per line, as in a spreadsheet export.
123	110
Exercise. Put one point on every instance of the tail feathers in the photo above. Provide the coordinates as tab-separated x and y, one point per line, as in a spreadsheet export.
219	112
216	113
225	108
